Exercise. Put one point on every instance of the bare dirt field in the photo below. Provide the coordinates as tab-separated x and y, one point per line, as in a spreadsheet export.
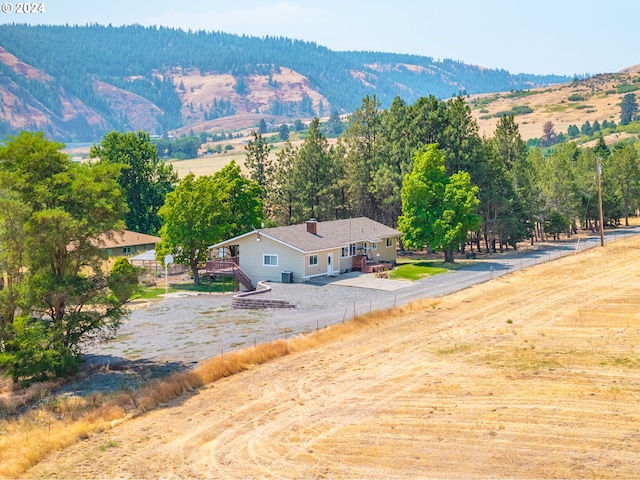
532	375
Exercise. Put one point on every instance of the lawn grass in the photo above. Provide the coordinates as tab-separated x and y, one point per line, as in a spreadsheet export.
216	286
151	293
416	269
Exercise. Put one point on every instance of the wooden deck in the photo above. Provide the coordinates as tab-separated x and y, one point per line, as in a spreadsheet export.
229	267
376	267
362	264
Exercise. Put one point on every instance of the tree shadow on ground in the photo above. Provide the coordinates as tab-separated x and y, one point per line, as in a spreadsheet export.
108	374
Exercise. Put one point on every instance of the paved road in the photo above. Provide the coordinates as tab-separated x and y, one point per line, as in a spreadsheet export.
485	269
180	332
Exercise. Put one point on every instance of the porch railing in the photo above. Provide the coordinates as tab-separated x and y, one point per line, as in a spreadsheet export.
229	267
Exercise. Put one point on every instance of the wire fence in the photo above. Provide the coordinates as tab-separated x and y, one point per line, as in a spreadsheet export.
302	322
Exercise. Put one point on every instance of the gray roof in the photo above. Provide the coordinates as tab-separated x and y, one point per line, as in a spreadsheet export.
147	256
336	233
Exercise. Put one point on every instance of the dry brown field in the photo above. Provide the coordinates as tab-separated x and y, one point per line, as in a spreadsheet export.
532	375
210	164
553	104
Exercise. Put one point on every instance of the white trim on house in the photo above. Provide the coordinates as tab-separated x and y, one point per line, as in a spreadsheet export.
271	256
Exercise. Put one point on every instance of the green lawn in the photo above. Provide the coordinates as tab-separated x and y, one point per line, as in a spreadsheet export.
416	269
216	286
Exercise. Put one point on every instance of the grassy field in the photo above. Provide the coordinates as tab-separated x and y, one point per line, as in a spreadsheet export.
532	375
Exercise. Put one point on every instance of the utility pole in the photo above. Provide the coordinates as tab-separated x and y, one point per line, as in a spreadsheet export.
598	173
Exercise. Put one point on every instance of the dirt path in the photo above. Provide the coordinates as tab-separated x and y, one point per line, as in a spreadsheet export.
532	375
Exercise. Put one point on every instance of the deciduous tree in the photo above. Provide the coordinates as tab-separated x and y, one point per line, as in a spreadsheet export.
549	135
438	210
59	294
283	132
206	210
123	279
144	177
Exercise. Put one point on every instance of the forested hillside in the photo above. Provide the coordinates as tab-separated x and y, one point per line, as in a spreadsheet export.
78	82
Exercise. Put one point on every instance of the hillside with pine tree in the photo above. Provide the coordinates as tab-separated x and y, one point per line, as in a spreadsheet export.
78	82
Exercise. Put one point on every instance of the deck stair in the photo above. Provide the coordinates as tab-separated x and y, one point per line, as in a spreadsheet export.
229	267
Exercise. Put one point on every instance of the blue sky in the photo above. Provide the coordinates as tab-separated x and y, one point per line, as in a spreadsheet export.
543	37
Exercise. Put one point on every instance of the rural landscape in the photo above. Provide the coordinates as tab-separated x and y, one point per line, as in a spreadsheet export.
222	155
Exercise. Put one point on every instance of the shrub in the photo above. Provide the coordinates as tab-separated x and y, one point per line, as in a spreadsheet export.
123	280
521	110
626	88
32	355
576	98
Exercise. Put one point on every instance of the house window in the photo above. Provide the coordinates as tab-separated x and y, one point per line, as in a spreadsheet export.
352	249
374	246
109	251
390	242
126	250
137	248
313	260
270	260
344	252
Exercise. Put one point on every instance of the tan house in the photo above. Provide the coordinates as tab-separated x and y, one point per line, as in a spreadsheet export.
127	243
298	253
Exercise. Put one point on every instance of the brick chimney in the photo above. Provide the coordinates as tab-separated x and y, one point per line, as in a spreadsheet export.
312	226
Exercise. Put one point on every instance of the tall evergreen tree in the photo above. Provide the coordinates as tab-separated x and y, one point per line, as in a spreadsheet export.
362	142
624	167
396	154
281	203
314	174
628	109
257	161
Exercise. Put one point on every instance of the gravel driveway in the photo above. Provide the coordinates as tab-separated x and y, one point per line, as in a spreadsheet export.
185	329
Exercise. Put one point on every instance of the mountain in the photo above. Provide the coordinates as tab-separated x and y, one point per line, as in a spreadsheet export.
78	82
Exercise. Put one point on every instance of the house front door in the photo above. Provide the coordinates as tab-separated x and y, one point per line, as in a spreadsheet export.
330	264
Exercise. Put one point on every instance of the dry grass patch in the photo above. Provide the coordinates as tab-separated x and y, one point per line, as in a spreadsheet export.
62	421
